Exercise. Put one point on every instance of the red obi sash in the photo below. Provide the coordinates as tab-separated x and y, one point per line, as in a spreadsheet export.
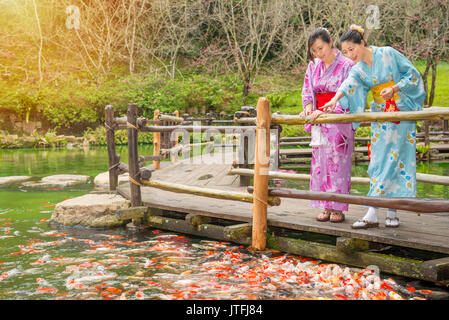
322	98
390	106
369	151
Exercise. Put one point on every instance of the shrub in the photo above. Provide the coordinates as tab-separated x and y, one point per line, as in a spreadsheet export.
98	136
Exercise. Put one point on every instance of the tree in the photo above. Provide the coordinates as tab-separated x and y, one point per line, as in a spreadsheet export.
250	28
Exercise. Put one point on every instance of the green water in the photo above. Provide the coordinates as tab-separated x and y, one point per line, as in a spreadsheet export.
152	264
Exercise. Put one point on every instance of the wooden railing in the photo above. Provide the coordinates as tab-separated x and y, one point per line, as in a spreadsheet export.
163	126
259	195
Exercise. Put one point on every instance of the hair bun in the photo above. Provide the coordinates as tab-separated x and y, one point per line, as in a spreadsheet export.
357	28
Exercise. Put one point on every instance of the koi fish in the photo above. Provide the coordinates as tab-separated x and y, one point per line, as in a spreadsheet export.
73	284
47	290
140	295
10	273
113	290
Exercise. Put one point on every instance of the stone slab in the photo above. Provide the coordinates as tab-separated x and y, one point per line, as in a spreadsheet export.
12	179
58	180
102	179
90	210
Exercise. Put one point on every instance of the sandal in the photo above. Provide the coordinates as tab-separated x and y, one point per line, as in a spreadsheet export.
324	216
390	224
364	224
337	217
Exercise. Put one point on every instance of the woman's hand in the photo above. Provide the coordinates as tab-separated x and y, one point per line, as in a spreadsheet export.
307	110
387	93
330	106
315	114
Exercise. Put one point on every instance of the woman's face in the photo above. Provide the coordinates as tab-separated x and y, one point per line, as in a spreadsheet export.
352	50
321	50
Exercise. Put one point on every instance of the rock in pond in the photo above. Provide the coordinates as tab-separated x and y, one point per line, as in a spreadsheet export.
102	180
12	179
90	210
58	180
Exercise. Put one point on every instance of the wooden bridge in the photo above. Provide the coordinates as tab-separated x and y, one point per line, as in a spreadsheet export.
219	197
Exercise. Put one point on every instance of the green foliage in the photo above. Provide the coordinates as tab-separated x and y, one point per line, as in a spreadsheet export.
49	139
422	149
278	100
194	95
98	136
294	131
9	141
364	132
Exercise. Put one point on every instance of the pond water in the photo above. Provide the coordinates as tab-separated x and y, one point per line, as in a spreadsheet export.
41	261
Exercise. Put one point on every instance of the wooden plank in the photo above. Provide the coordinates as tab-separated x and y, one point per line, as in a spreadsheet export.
196	219
439	146
350	245
239	232
131	213
437	270
203	230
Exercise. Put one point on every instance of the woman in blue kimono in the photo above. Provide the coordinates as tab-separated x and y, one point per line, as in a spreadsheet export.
393	80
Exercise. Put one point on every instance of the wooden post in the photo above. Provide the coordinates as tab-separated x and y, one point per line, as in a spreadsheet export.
244	180
426	137
156	143
110	141
133	157
177	134
261	169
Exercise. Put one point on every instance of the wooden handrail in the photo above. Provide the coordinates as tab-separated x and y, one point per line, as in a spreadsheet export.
207	192
193	128
420	177
432	113
167	117
409	204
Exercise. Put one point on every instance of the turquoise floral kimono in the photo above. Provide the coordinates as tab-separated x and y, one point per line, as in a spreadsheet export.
392	168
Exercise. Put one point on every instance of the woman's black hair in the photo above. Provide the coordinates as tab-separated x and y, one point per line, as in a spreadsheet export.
353	36
320	33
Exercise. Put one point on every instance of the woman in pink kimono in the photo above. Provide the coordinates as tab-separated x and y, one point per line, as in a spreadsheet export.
332	143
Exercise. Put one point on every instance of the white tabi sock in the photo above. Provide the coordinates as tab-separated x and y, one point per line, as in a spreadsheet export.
391	220
391	213
371	215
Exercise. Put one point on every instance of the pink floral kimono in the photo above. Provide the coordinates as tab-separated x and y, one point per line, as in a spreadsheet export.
331	162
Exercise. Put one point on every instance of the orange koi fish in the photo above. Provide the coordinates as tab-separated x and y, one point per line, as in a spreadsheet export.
47	290
113	290
140	295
